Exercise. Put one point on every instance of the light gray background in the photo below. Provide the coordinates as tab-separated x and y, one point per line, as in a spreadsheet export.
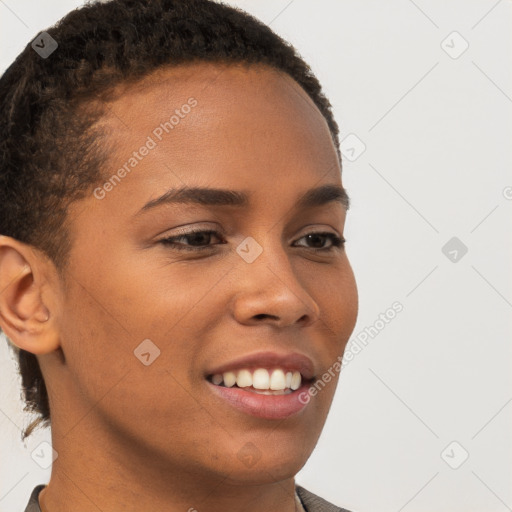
437	163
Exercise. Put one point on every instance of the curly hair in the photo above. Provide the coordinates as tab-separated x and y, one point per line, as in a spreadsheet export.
50	153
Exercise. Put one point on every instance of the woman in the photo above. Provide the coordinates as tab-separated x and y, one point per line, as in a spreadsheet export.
172	258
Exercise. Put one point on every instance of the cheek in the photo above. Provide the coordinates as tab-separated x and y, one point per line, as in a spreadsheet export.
109	379
112	308
349	301
96	345
336	294
337	297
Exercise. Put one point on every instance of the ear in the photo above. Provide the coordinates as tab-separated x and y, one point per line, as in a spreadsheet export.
28	297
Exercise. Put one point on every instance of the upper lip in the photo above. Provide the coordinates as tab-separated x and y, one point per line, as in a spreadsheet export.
292	361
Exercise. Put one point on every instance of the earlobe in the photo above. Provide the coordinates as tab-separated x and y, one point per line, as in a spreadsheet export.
24	316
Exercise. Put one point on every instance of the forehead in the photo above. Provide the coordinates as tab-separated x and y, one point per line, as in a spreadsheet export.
241	85
231	125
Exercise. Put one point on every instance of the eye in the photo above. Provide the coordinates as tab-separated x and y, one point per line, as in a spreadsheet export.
318	237
196	237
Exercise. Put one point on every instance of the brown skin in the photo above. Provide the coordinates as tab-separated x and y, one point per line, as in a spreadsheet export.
132	437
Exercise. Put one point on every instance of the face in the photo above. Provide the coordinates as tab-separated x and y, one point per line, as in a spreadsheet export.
150	310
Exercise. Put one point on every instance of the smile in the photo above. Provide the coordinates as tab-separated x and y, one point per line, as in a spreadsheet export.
262	392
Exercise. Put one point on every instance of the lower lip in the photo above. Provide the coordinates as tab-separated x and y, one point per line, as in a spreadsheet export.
271	407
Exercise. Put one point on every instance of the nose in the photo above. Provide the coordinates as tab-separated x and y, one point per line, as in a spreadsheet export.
269	291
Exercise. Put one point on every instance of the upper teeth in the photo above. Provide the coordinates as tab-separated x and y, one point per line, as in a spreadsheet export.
259	379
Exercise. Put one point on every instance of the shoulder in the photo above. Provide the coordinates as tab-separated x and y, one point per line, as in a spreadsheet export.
313	503
33	502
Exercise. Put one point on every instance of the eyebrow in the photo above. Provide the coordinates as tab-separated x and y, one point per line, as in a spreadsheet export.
318	196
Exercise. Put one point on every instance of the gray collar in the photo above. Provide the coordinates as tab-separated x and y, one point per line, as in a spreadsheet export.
311	502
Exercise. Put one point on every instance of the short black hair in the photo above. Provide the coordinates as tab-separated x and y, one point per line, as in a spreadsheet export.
50	155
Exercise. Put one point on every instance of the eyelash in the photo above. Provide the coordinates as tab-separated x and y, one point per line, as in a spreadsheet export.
336	241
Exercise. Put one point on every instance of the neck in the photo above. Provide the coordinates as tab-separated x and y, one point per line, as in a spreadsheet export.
96	470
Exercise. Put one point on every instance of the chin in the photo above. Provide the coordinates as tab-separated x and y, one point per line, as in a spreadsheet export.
270	467
262	474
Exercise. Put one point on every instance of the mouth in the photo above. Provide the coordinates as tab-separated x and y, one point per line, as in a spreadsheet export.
269	393
264	381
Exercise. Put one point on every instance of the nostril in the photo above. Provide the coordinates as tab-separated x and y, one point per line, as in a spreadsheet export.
264	315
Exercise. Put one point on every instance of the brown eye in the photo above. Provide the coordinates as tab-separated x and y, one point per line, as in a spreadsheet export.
318	239
196	240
